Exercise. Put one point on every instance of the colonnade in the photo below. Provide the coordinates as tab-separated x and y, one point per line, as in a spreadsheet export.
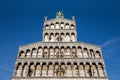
60	37
60	25
60	69
60	52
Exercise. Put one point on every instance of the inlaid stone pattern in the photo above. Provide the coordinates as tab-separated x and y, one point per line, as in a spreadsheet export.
59	56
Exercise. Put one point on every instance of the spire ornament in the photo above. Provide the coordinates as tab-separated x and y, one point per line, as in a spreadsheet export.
59	14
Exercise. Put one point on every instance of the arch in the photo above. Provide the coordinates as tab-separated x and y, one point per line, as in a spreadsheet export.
50	69
56	68
40	52
51	49
52	37
74	54
67	26
67	33
25	70
51	33
46	37
62	52
46	33
85	53
101	69
72	33
45	52
79	52
63	65
67	39
31	70
50	63
73	37
57	52
92	55
44	69
62	33
69	66
94	70
28	53
97	54
52	26
34	53
21	54
81	70
68	52
56	37
62	69
18	70
38	70
62	25
88	70
62	37
57	25
46	26
72	26
69	69
75	69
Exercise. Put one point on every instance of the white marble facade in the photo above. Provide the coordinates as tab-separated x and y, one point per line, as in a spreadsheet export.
59	56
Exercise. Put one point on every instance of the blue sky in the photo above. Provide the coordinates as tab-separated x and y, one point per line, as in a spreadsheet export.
21	22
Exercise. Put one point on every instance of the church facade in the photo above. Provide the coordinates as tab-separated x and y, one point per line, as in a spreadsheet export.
59	56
